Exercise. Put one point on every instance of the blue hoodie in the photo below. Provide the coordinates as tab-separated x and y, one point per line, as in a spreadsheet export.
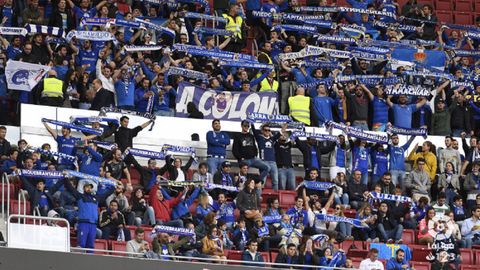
217	143
393	264
90	163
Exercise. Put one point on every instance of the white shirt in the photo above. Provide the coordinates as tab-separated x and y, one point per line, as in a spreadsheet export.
181	175
367	264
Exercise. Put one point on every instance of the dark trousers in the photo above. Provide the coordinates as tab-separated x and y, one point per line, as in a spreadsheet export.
52	101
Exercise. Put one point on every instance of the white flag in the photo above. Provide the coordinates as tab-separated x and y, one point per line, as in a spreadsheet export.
24	76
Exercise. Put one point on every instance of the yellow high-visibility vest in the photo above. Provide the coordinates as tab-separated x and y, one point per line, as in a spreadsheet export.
52	87
300	108
234	25
266	86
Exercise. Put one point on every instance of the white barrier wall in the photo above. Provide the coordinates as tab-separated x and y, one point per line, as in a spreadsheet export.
172	130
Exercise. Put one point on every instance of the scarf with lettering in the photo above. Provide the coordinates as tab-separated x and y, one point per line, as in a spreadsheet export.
297	28
144	153
40	174
329	218
370	80
246	64
272	219
399	27
172	230
314	51
320	237
53	153
140	48
105	110
335	39
12	31
96	179
320	137
466	53
212	31
211	186
72	126
202	16
201	51
92	119
178	150
375	137
407	131
266	118
187	73
91	35
317	185
391	197
104	145
322	64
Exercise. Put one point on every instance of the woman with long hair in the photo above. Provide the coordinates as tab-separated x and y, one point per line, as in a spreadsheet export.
73	91
248	201
212	245
449	182
343	227
307	254
203	207
144	213
367	217
426	228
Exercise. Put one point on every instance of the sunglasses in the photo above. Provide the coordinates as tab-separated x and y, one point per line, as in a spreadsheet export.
267	130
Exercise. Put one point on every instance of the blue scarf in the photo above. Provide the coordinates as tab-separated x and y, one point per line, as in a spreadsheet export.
201	51
328	218
314	51
245	64
317	185
338	259
91	35
172	230
335	39
150	25
370	80
53	153
212	31
187	73
323	65
359	133
211	186
105	110
399	27
204	17
302	18
93	119
317	136
96	179
376	50
272	219
40	174
104	145
391	197
466	53
180	150
407	131
144	153
43	29
12	31
72	126
139	48
362	54
409	90
263	117
320	237
297	28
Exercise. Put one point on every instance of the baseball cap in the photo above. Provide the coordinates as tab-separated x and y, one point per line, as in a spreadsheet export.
226	164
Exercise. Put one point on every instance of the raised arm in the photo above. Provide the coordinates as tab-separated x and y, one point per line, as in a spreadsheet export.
389	101
144	125
330	200
366	90
50	130
225	43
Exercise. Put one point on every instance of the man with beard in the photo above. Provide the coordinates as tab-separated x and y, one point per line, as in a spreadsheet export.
402	112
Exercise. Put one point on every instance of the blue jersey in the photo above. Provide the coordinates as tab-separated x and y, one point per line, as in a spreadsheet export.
7	12
66	146
266	146
402	115
380	111
360	159
323	109
80	14
379	162
12	52
125	91
270	9
88	58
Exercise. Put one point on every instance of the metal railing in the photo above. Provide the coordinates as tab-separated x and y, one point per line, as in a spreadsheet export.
137	255
22	200
6	202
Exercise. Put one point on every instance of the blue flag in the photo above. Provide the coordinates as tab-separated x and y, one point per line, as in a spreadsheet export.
387	251
427	58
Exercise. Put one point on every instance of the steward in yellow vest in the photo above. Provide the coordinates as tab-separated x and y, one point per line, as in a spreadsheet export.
269	83
52	91
300	106
234	25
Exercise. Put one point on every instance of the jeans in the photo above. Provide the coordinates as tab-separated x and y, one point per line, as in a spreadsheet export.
286	176
469	241
364	179
360	125
375	179
343	199
449	194
174	223
395	234
457	132
214	164
109	231
170	112
260	165
344	228
273	173
398	178
148	217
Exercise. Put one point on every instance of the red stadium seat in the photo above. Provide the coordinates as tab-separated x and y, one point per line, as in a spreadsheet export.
476	5
468	267
356	261
347	244
444	16
477	256
360	253
420	254
266	256
465	18
273	256
101	244
287	198
463	5
443	5
350	213
234	255
420	265
4	188
14	204
424	2
408	237
119	246
467	256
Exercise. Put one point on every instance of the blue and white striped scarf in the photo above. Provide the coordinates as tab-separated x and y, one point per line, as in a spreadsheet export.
211	186
187	73
72	126
319	237
296	28
266	118
144	153
201	51
43	29
91	35
12	31
246	64
407	131
53	153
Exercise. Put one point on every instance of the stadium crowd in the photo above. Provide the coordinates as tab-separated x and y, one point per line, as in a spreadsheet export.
133	69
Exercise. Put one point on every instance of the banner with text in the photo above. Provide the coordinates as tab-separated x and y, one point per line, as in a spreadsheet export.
224	105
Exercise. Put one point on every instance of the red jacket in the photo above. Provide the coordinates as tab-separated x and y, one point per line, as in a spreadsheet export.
163	209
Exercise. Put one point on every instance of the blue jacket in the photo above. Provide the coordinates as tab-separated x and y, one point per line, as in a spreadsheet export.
247	257
397	155
90	163
393	264
217	143
182	208
87	205
7	164
36	195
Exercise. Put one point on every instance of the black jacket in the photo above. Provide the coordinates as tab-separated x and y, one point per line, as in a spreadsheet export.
248	200
35	194
284	258
103	98
56	19
172	171
244	146
321	147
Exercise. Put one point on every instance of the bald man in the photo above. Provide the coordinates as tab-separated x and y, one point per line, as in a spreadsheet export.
51	91
103	97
